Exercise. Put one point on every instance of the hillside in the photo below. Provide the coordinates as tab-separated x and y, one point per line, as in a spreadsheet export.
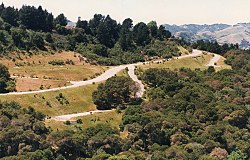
222	33
104	90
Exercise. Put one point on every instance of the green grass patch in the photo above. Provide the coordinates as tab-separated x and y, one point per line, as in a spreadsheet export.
113	118
123	73
75	100
192	63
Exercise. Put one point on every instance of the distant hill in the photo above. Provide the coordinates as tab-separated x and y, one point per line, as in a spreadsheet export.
223	33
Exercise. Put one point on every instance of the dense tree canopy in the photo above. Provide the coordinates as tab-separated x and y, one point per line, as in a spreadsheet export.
33	28
36	18
116	91
141	34
214	47
61	20
6	83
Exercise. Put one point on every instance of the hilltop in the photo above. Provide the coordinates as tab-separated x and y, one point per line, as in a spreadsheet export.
222	33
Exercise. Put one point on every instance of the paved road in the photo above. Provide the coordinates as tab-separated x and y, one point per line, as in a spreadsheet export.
106	75
132	75
214	60
68	117
109	73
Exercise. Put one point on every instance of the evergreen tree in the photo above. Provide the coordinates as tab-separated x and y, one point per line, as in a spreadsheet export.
141	34
95	22
61	20
10	15
107	32
163	33
84	25
125	39
153	29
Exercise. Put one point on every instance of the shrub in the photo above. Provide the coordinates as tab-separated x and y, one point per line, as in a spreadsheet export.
56	62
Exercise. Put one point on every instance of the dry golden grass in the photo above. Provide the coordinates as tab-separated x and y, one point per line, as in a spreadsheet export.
221	64
67	72
183	50
28	84
37	66
124	134
38	58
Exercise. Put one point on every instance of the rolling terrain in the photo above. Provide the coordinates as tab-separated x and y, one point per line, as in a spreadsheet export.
222	33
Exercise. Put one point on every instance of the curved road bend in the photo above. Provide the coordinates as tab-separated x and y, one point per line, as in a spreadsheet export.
214	60
131	73
109	73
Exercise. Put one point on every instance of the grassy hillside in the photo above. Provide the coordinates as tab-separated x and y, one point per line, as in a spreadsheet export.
37	66
27	68
192	63
79	100
113	118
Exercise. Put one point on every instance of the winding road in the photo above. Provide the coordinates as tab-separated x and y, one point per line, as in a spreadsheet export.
109	73
214	60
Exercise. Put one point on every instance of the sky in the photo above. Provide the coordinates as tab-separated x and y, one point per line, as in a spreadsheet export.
162	11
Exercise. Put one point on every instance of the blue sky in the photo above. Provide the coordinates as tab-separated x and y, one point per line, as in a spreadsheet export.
163	11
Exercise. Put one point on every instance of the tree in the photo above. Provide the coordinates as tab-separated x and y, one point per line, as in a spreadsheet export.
126	38
36	18
210	69
61	20
10	15
115	91
6	83
77	36
141	34
20	38
107	32
84	25
153	28
37	40
100	50
163	33
94	23
237	155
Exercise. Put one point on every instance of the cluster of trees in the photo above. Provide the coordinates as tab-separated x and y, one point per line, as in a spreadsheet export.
193	114
214	47
116	91
239	60
21	131
6	83
30	17
102	39
120	43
